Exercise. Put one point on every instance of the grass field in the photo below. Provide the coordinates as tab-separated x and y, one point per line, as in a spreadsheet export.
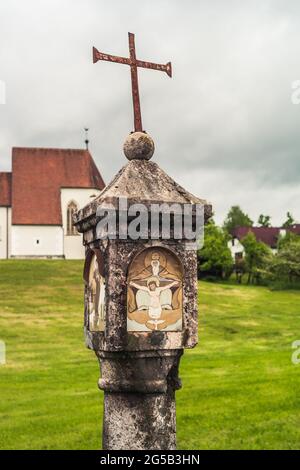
240	388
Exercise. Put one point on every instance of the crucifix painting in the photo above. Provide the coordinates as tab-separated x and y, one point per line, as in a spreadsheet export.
96	292
154	295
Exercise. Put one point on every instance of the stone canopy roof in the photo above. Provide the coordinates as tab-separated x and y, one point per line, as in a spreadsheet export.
141	181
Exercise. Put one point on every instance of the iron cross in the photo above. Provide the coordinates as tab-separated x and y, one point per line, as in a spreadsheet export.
134	64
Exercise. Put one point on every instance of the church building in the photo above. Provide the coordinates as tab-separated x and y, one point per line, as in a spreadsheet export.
38	198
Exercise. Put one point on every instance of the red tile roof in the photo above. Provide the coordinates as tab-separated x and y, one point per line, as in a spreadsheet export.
267	235
38	176
5	189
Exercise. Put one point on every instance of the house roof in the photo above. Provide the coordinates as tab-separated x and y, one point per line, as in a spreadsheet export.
267	235
38	176
5	189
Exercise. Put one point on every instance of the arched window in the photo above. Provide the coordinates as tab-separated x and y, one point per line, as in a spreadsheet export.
72	208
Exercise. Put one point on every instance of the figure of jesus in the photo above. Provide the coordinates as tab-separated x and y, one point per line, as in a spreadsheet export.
154	290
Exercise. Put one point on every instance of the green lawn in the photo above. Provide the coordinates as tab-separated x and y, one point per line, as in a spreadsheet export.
240	389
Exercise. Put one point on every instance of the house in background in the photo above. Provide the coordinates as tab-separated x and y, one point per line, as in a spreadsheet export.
267	235
38	198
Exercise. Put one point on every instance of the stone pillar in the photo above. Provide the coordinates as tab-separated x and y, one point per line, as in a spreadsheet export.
140	301
139	399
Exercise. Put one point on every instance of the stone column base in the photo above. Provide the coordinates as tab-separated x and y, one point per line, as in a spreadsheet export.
139	399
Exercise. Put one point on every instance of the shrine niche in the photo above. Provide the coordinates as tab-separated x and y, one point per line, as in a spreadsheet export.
96	297
154	295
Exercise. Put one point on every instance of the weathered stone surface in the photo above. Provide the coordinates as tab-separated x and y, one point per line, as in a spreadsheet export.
139	422
143	372
139	400
138	146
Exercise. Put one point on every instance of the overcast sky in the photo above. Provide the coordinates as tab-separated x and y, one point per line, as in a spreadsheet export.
224	126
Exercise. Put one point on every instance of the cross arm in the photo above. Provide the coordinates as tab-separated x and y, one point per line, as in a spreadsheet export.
151	65
97	55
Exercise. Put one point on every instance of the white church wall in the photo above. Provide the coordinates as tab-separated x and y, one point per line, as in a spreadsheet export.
36	241
73	248
3	231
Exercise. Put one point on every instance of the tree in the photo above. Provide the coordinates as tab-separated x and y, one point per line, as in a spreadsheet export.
264	220
286	264
286	239
257	255
215	257
239	268
236	218
289	220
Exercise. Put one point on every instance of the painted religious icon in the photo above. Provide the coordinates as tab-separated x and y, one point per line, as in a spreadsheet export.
154	296
96	291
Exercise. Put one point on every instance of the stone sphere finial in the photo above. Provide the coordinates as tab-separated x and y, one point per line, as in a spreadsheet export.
138	146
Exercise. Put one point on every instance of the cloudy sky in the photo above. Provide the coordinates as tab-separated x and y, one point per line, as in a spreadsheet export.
224	126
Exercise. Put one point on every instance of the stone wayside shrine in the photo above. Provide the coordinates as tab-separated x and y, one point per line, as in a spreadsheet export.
140	289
